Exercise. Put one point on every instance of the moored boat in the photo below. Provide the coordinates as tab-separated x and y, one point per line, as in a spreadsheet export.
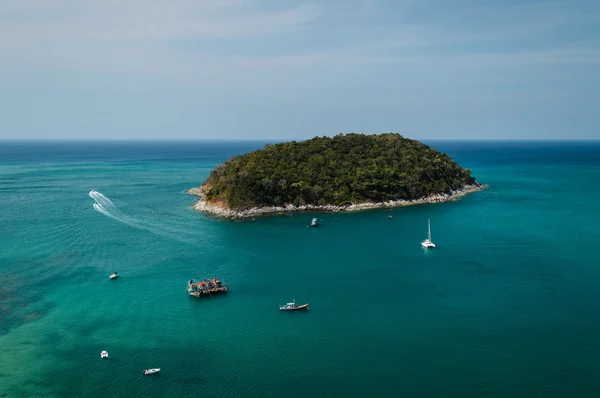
114	275
293	307
314	222
104	354
151	371
206	287
427	243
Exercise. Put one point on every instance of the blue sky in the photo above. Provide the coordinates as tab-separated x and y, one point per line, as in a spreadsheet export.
206	69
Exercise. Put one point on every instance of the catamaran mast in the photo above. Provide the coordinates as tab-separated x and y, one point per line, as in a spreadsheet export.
429	229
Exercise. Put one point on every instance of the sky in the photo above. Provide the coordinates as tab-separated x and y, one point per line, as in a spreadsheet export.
294	69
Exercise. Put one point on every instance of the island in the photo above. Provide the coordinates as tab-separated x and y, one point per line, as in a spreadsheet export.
347	172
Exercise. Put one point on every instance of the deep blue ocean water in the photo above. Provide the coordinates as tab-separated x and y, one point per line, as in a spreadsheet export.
508	304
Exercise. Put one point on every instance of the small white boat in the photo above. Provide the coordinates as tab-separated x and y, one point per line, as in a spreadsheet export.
315	222
114	275
293	306
427	243
104	354
151	371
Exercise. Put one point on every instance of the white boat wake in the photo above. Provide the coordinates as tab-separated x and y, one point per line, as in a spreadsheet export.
105	206
125	220
101	199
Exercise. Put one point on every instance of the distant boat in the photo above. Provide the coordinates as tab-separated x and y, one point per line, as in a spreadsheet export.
293	307
104	354
114	275
151	371
427	243
207	287
315	222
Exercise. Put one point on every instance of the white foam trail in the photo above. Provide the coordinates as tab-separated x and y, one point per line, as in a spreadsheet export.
100	209
110	206
101	199
102	202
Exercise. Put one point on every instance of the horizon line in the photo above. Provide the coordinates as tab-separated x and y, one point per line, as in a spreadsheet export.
275	140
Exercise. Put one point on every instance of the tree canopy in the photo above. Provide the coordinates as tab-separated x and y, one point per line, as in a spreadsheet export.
351	168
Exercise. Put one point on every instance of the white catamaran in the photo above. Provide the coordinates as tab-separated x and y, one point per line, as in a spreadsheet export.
427	243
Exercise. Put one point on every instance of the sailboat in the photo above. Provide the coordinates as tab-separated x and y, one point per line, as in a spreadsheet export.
427	243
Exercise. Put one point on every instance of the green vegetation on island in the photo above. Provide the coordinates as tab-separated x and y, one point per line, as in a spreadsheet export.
346	169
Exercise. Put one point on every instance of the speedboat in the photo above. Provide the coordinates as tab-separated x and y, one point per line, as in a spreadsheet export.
104	354
293	307
114	275
151	371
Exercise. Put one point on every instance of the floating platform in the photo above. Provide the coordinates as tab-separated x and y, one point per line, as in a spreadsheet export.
206	287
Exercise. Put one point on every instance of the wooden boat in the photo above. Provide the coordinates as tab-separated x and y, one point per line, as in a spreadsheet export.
151	371
206	287
293	307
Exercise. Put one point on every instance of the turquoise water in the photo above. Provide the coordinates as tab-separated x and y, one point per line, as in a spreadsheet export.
508	303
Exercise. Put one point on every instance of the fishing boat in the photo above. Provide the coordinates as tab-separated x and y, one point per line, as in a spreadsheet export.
206	287
151	371
293	307
314	222
427	243
104	355
114	275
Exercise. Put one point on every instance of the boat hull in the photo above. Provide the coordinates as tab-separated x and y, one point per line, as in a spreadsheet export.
151	371
295	308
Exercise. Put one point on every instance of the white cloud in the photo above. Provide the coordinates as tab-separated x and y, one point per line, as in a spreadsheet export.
146	36
71	33
490	24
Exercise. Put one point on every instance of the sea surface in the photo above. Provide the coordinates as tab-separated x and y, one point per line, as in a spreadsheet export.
508	304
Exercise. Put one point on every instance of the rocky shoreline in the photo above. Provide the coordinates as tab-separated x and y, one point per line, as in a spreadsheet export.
203	206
